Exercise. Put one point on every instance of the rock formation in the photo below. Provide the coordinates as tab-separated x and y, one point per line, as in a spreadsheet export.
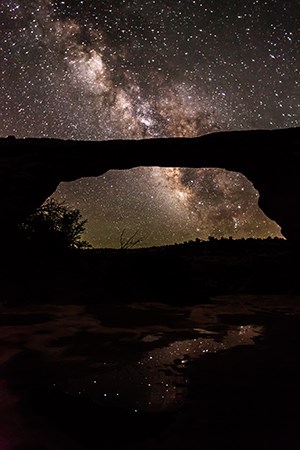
31	169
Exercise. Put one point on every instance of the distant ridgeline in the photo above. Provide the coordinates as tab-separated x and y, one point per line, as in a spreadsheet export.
213	245
31	169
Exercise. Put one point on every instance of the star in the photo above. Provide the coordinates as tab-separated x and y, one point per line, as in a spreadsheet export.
133	69
167	205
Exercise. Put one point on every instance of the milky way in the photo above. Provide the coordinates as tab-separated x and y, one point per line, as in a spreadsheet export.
140	69
167	205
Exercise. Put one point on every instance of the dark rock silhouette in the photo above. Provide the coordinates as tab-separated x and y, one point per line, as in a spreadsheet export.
31	169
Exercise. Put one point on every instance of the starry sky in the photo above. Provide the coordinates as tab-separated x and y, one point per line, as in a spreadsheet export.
167	205
98	70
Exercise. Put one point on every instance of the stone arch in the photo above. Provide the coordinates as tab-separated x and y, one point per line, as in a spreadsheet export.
31	169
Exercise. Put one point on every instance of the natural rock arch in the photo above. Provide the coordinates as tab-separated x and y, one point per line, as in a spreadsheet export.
31	169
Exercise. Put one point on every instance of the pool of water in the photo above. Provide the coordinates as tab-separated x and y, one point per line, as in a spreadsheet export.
136	358
159	379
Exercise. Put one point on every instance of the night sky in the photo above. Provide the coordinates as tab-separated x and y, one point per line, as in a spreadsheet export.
99	70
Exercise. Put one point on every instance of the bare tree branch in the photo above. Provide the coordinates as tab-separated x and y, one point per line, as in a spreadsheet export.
131	241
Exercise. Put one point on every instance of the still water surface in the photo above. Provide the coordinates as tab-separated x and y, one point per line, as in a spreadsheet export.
159	379
137	358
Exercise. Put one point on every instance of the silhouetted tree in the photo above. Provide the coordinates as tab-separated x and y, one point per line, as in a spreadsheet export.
54	225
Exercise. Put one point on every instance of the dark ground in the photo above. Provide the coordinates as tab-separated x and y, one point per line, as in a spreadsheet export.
181	274
185	347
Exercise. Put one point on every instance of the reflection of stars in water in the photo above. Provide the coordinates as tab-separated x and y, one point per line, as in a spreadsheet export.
167	205
158	381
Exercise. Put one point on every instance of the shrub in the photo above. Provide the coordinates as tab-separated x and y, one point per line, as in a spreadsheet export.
55	226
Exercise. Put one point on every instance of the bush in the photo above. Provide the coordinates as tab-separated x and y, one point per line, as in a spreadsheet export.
55	226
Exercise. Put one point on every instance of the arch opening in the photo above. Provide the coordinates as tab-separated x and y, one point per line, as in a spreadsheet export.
167	205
